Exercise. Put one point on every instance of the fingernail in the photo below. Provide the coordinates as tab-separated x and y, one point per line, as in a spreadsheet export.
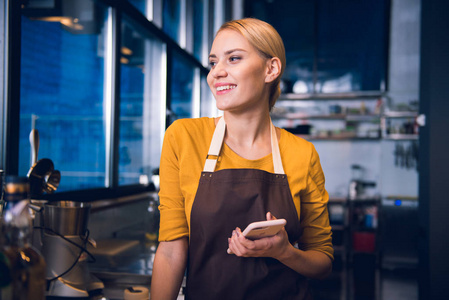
234	233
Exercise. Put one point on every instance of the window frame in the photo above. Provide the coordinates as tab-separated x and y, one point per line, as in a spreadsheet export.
10	108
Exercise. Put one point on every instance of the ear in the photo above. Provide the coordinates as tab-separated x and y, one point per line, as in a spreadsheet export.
273	69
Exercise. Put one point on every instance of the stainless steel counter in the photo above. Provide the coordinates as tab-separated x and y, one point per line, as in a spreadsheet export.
122	263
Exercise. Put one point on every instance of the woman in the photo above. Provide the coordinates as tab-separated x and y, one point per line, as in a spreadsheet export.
207	196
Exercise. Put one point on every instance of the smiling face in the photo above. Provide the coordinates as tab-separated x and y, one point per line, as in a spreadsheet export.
239	76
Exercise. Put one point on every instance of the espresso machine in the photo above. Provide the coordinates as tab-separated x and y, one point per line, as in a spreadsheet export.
60	233
64	237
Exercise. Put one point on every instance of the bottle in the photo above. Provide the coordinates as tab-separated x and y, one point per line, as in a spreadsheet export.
152	227
26	265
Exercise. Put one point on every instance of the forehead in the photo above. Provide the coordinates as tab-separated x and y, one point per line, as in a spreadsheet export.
228	39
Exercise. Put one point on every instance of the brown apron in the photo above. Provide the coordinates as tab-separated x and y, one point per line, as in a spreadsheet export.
231	198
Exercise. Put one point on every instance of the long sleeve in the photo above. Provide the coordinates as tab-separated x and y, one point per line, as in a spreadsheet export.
173	219
314	217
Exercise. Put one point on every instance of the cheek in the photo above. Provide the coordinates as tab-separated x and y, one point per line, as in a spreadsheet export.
255	75
209	81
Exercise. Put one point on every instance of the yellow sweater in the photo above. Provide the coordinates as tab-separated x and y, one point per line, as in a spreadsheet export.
184	151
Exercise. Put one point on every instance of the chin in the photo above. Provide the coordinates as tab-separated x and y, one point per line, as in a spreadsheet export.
223	106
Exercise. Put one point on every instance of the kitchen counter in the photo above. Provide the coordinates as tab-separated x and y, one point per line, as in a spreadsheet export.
123	263
123	230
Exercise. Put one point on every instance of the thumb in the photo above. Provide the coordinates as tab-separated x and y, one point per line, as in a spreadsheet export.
270	216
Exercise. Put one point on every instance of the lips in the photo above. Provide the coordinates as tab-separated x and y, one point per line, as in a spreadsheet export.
225	87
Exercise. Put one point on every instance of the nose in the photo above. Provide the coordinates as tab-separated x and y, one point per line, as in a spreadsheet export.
219	70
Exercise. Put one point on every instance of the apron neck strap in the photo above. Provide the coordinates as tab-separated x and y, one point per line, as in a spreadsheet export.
217	142
277	161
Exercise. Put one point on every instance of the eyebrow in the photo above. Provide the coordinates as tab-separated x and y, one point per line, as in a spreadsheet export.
228	52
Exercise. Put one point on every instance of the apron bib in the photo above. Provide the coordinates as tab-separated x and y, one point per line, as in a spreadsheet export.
231	198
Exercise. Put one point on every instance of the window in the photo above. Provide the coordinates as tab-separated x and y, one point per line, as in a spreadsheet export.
331	46
208	107
62	67
101	108
294	20
171	18
141	110
351	56
181	88
198	30
141	5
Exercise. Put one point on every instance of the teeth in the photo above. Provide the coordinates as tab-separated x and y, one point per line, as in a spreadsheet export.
225	87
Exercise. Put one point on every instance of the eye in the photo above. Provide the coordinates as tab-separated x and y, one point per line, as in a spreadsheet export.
234	58
212	64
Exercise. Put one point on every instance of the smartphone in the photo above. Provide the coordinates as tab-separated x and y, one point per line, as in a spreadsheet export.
257	230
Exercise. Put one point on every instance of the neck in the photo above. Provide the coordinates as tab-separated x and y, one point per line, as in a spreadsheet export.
250	137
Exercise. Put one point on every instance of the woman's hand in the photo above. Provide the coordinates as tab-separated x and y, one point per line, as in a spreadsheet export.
273	246
310	263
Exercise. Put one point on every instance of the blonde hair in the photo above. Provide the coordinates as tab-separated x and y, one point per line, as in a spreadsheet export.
267	41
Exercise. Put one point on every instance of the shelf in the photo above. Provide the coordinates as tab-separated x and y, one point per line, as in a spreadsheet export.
381	123
400	114
355	236
363	118
333	96
392	118
338	227
337	138
366	199
337	200
344	117
393	136
401	197
401	136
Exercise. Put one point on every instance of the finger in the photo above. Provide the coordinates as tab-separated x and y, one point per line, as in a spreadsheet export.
233	248
235	241
238	244
229	251
239	232
246	246
233	236
263	244
270	216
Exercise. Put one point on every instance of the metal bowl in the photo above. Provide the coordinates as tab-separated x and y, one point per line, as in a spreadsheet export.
67	217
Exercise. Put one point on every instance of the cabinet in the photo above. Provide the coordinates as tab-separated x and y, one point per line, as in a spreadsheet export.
356	247
338	217
363	248
335	286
